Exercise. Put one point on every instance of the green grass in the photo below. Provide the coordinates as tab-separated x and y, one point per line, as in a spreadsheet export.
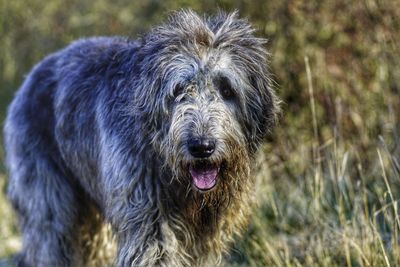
328	181
9	238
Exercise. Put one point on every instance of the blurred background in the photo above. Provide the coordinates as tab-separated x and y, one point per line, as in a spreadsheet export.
329	176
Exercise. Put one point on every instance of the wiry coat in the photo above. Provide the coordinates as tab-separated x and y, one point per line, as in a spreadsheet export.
99	132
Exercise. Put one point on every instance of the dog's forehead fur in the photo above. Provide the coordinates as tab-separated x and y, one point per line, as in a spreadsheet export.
207	43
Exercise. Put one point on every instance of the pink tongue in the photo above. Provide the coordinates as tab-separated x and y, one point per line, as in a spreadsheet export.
204	179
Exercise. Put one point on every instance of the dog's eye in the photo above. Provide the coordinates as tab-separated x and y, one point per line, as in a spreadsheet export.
226	93
179	93
225	89
178	90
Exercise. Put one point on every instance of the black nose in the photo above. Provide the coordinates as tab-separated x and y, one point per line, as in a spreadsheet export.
201	147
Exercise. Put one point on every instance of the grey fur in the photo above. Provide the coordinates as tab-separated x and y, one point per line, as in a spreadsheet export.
99	131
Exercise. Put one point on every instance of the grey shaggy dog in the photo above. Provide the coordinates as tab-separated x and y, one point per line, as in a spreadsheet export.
155	137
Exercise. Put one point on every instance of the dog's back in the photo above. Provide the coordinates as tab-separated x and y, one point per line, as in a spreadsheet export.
44	153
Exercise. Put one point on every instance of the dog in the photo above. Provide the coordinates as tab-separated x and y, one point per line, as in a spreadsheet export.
155	137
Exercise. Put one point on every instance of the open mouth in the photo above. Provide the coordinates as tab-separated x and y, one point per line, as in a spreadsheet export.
204	175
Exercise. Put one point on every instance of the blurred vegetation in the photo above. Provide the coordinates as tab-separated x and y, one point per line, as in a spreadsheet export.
330	173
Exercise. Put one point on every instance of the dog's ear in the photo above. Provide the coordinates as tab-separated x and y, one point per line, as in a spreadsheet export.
250	57
264	105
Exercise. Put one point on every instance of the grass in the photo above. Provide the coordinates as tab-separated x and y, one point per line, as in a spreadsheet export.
338	212
9	239
327	217
328	180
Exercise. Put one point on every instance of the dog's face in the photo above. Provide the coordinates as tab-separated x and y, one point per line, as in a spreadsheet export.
213	103
206	133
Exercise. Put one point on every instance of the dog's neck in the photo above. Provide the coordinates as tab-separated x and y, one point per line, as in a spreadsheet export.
205	218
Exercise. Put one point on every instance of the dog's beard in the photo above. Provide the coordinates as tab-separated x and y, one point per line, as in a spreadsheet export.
204	209
210	181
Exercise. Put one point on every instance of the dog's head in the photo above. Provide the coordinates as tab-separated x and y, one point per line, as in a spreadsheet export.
206	92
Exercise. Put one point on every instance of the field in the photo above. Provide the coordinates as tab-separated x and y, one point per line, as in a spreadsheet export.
329	176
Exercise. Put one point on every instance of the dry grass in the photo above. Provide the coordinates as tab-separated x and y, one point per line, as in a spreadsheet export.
340	209
327	216
9	239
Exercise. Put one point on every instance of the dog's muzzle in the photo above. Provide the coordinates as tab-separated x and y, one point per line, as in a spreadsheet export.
204	173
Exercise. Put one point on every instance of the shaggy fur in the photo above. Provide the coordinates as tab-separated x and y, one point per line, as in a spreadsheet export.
118	131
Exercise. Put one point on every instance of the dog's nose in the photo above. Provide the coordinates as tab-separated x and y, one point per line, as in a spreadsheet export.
201	147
